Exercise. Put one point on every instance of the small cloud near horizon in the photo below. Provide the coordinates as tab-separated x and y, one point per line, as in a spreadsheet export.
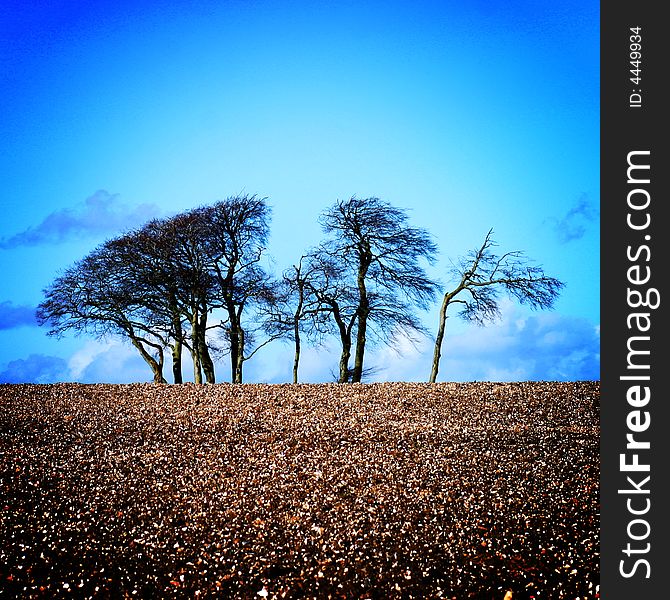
545	346
101	213
108	361
519	347
12	316
37	368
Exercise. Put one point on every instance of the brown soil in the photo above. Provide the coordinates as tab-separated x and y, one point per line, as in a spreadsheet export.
392	490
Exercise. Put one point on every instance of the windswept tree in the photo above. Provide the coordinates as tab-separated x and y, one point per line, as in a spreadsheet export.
235	233
295	312
99	295
182	243
337	298
482	277
148	289
167	260
375	277
314	301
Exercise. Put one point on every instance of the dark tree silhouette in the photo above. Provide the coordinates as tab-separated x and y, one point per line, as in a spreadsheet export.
296	312
167	259
482	276
375	279
135	253
99	295
234	235
159	285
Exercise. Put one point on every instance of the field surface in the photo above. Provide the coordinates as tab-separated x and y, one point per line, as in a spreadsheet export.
393	490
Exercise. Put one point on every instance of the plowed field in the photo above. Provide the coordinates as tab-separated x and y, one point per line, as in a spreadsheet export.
391	490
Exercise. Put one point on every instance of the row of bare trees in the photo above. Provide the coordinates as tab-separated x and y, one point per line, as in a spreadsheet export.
196	282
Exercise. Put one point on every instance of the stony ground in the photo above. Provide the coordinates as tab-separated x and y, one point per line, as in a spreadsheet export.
300	491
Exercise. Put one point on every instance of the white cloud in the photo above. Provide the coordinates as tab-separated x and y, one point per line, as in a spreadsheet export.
404	360
110	361
81	359
540	346
36	368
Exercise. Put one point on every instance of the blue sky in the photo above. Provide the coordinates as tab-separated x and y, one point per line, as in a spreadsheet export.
471	115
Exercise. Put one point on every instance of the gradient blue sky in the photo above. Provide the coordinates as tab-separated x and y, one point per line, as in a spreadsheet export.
471	115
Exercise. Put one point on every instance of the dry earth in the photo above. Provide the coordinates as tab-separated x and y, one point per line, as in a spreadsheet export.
300	491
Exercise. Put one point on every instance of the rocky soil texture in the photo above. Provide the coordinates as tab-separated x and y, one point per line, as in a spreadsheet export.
393	490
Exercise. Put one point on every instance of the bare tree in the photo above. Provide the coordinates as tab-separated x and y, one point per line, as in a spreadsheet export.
482	275
295	294
334	305
98	295
234	235
152	292
296	312
167	260
181	242
376	262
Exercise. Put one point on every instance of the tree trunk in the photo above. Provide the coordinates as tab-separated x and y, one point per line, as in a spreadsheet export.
178	345
203	350
363	312
234	347
344	361
296	330
155	365
197	369
206	362
236	343
296	356
360	348
345	340
195	350
176	362
439	337
236	351
239	356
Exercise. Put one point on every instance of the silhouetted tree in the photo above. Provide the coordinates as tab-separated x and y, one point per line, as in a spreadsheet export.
168	261
234	235
482	276
99	295
151	290
376	278
296	311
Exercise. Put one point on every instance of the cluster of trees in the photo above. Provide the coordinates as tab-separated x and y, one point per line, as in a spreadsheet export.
196	282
